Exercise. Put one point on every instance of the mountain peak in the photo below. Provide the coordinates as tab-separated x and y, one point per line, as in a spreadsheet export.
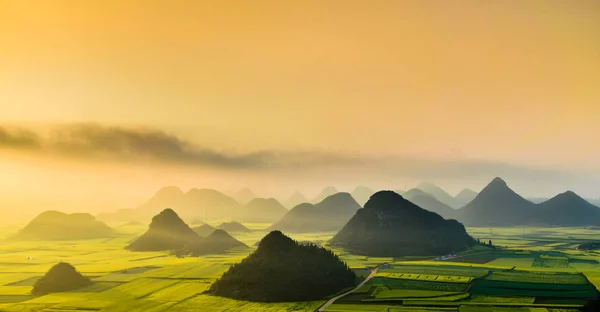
384	200
168	215
498	182
170	190
276	241
339	197
570	194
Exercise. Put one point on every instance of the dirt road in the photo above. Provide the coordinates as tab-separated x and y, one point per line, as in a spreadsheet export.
334	299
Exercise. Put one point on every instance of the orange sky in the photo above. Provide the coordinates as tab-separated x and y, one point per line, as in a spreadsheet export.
509	81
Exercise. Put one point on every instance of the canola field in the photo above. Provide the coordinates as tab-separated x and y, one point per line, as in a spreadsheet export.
531	270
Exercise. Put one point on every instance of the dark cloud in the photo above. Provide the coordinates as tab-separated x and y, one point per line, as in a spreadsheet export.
97	142
91	141
94	141
18	138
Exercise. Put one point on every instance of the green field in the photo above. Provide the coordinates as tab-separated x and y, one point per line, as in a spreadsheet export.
531	270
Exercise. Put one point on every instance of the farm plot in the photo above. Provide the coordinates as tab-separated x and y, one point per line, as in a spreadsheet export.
537	277
437	269
392	283
515	289
212	303
551	263
426	277
179	292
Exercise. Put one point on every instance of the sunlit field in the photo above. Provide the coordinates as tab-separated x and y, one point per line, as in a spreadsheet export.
531	268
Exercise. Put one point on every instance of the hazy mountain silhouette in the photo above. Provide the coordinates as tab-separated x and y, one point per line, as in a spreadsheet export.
281	270
204	230
125	215
132	224
498	205
61	277
328	215
244	195
196	203
391	226
55	225
295	200
218	241
568	209
428	202
207	204
362	194
464	197
439	194
594	201
166	232
266	210
195	221
165	197
233	226
326	192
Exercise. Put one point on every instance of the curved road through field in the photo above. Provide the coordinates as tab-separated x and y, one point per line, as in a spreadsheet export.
332	300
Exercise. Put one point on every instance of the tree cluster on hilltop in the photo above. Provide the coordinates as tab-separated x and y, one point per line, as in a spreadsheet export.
282	270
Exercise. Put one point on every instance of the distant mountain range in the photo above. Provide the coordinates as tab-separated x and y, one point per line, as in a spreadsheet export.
199	204
328	215
244	195
429	202
464	197
498	205
295	200
262	210
390	226
439	194
362	194
326	192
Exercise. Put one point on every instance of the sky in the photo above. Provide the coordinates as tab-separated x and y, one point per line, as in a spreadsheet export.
104	102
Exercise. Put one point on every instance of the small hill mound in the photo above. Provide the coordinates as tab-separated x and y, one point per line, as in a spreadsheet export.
295	200
498	205
464	197
391	226
326	192
266	210
218	241
233	227
55	225
428	202
61	277
329	215
244	195
362	194
166	232
265	275
439	194
568	209
204	230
